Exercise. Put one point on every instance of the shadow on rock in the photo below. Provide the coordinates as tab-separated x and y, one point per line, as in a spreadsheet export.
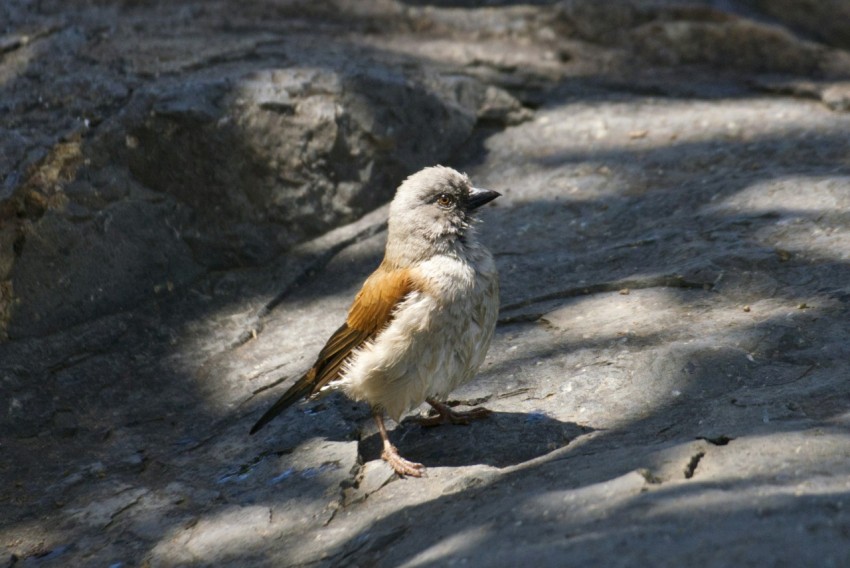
501	440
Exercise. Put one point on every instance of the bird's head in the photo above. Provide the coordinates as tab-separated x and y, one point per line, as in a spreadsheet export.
433	209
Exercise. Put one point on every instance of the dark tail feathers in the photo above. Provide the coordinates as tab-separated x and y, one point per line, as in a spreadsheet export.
301	389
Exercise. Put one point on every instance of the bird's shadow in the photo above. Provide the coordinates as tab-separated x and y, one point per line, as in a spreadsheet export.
501	439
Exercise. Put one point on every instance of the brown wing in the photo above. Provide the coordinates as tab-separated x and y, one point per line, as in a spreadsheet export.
371	311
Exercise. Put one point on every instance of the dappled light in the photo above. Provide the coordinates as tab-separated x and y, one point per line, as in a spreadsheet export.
667	379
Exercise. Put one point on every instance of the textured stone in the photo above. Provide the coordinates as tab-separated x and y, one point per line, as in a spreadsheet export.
669	378
824	19
236	161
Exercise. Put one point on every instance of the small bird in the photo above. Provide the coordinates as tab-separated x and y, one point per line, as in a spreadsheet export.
422	322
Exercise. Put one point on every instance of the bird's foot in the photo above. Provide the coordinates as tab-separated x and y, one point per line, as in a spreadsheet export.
401	465
445	415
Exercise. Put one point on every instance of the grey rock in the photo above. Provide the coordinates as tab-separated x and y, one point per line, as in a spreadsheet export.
736	44
247	160
61	279
834	94
373	476
822	20
100	514
668	379
691	33
475	477
65	424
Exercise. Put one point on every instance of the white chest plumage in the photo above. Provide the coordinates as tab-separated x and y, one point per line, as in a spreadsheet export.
437	338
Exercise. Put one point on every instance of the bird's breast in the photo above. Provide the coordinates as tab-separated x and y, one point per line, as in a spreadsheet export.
456	279
436	340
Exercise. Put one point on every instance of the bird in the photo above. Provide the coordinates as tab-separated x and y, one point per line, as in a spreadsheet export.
422	322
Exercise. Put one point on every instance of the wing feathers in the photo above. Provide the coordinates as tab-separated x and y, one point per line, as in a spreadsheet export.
380	294
371	311
337	350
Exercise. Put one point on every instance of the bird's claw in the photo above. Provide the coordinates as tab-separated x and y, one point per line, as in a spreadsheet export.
445	415
401	465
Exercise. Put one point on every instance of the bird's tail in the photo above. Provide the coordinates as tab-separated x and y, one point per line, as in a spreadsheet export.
301	389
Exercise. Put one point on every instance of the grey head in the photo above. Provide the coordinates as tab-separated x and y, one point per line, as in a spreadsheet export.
433	212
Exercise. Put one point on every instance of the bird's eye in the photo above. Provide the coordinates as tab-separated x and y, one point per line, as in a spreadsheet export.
445	200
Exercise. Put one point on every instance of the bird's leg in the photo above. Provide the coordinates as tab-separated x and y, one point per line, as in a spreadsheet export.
446	415
391	455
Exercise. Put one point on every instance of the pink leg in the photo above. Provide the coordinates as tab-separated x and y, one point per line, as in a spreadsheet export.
391	455
446	415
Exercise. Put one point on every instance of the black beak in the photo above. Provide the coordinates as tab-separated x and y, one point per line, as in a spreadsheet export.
478	197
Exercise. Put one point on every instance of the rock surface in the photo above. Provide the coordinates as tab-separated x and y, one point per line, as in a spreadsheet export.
824	19
192	192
